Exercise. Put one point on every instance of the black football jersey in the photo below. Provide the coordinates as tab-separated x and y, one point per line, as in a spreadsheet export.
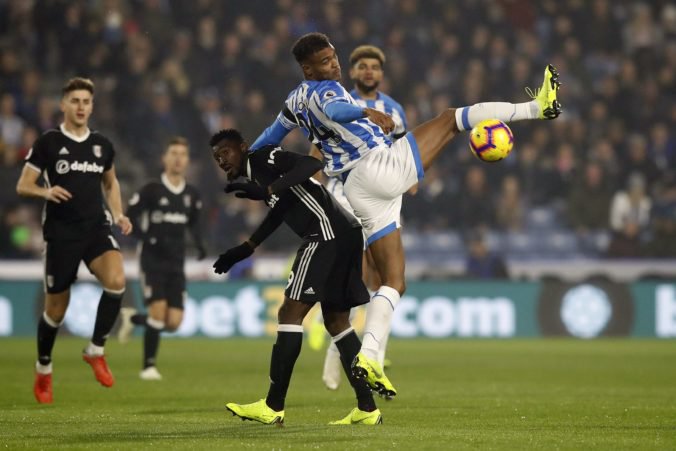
76	164
161	214
309	209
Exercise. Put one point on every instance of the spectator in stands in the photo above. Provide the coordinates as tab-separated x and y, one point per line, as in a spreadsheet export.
481	263
475	206
510	205
588	205
638	162
662	147
663	240
629	218
11	125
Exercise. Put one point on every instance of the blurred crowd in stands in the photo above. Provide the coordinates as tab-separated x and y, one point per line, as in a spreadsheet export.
600	181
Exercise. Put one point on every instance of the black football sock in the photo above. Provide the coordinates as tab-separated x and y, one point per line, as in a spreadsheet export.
47	330
151	341
285	352
348	346
106	315
139	319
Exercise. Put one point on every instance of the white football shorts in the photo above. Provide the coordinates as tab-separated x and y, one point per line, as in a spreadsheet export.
374	187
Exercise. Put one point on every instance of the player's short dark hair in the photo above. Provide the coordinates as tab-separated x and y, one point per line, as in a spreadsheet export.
77	83
229	134
309	44
367	51
177	141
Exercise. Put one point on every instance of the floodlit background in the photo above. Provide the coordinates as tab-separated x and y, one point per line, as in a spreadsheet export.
164	67
555	214
580	261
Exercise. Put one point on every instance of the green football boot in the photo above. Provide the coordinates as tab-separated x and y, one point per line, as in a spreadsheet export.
360	417
545	96
373	374
256	411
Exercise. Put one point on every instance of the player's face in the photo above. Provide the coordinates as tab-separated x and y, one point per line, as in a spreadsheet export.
77	107
176	159
229	156
322	65
367	73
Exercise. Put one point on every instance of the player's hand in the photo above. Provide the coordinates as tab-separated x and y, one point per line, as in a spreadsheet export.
381	119
249	190
124	224
201	253
231	256
58	194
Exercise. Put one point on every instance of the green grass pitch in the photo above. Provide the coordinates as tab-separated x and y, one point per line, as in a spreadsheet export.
453	394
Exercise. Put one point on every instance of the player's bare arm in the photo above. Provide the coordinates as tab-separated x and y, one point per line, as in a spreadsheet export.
111	190
27	186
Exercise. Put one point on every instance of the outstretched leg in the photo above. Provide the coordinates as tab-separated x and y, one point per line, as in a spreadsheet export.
434	134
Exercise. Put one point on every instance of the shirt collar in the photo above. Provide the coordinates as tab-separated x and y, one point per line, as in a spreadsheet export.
78	139
176	189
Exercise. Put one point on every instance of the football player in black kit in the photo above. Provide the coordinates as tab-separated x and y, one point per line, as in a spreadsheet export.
161	212
327	268
76	163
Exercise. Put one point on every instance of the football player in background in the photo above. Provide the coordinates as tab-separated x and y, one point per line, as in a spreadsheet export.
162	211
76	163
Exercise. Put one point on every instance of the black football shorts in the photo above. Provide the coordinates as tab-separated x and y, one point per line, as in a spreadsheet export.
329	272
164	285
62	258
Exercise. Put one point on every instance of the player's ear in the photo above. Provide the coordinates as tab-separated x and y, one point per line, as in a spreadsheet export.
307	70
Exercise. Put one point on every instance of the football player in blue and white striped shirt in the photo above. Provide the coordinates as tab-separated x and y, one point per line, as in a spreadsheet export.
366	71
376	172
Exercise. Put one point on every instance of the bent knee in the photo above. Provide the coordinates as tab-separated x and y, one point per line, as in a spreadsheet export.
449	114
336	325
171	326
116	284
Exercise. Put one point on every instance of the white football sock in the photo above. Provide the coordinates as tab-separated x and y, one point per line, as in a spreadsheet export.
378	318
332	367
93	351
468	116
43	369
383	347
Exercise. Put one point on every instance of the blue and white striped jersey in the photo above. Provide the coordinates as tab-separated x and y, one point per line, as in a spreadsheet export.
342	144
388	105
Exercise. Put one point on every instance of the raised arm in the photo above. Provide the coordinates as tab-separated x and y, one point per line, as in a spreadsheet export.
274	134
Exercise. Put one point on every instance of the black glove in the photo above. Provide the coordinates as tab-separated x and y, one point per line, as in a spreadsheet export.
231	256
249	190
201	252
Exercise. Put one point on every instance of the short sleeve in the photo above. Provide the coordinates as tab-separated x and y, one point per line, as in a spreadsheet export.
332	91
37	157
111	156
